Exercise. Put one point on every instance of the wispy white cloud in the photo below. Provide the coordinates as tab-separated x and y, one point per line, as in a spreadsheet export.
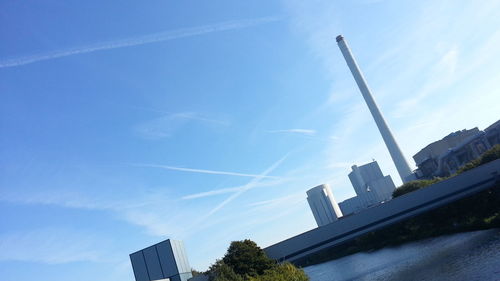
204	171
307	132
441	75
141	40
189	115
168	124
67	198
145	209
50	246
198	117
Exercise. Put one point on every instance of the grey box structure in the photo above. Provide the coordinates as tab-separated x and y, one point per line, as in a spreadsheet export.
166	260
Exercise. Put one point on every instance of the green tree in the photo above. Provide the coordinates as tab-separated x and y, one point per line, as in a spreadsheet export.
222	272
282	272
246	258
245	261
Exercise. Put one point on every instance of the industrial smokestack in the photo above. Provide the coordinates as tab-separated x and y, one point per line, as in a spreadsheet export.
396	154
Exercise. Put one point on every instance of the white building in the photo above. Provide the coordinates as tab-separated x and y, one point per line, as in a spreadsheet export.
371	187
323	206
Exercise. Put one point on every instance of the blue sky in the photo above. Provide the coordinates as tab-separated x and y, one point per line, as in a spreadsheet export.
126	123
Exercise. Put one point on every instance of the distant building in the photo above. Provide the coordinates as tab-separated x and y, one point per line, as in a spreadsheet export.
371	188
369	179
427	158
444	157
323	206
166	260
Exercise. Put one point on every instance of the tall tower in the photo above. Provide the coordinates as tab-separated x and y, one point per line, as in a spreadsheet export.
396	154
323	206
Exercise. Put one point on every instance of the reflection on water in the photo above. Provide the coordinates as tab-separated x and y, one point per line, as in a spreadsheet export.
465	256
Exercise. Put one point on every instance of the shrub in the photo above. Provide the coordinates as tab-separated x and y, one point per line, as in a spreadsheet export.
282	272
491	155
414	185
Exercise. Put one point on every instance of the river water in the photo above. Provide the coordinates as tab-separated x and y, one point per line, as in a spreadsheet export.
466	256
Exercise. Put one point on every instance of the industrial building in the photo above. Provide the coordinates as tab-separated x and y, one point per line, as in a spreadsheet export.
369	178
426	159
446	156
371	188
323	206
165	261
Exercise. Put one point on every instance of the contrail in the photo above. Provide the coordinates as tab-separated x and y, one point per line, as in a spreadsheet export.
254	182
203	171
146	39
232	189
251	184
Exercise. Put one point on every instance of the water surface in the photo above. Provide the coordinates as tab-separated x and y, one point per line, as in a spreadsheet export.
465	256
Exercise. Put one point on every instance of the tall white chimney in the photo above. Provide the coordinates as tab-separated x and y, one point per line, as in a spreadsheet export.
396	154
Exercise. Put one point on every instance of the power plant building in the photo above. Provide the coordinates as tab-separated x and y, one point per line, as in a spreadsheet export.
323	206
427	158
371	188
446	156
165	261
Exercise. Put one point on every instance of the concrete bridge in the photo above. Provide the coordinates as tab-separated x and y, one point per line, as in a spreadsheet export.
398	209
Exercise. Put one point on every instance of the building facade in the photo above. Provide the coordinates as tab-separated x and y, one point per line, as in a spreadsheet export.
323	205
427	158
166	260
371	188
446	156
